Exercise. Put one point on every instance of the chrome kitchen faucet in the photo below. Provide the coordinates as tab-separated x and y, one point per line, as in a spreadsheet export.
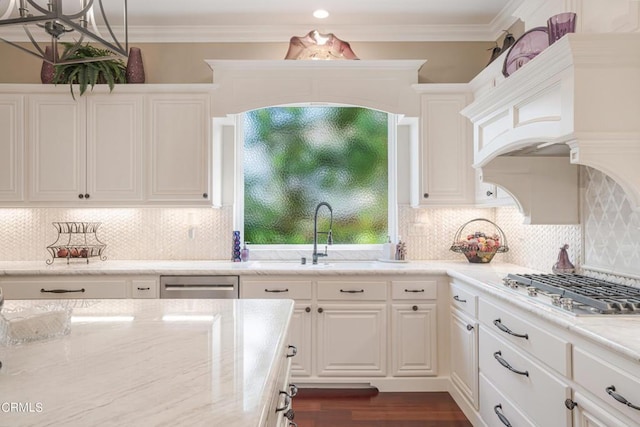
316	232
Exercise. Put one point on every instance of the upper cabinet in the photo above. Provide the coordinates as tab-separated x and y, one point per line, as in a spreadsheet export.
576	103
179	147
85	150
97	150
11	148
442	172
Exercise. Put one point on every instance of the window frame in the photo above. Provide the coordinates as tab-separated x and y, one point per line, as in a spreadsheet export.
392	189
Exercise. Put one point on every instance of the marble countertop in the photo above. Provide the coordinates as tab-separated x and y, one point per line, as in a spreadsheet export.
618	333
149	363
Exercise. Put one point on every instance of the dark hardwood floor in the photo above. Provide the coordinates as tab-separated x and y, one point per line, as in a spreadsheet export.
368	408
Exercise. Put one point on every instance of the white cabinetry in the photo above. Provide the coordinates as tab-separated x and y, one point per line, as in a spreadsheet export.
441	169
352	328
414	328
361	329
11	148
179	147
80	287
300	331
615	385
89	149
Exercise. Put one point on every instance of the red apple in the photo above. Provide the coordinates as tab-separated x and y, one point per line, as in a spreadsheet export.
84	252
63	252
75	253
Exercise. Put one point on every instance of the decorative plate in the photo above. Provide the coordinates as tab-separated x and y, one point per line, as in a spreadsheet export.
527	47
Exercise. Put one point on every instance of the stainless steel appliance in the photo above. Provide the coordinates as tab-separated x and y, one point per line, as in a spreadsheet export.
577	294
198	287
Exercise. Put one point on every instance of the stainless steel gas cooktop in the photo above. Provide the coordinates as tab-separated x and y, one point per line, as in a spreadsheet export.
577	294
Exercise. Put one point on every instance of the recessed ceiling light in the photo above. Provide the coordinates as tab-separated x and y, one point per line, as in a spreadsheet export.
320	14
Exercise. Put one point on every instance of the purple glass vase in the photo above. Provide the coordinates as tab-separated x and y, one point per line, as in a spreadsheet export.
135	68
561	24
48	70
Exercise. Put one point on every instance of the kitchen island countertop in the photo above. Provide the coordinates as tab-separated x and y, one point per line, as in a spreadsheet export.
148	363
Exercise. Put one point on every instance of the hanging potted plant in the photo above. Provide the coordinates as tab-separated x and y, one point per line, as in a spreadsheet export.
84	74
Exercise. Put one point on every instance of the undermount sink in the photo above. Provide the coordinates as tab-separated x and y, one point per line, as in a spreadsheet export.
337	264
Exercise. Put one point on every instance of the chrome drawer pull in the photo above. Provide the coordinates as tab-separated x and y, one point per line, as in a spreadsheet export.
501	416
506	330
457	298
60	291
276	290
350	291
611	391
294	351
414	290
498	356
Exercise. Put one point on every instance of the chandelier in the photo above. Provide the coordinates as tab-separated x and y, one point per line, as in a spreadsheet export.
49	23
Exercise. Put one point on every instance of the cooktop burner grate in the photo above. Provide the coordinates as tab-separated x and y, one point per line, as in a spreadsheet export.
600	295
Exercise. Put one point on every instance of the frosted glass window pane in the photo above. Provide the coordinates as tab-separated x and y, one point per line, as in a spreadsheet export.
296	157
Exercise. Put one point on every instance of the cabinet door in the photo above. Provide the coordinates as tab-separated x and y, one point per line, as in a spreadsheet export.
179	148
414	340
57	147
114	147
464	355
445	151
351	340
300	336
587	413
11	148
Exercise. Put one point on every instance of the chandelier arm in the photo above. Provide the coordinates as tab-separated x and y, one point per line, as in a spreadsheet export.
10	7
83	11
84	32
24	49
67	52
113	36
46	12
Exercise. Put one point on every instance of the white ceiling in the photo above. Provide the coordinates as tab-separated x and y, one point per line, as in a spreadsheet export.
353	20
279	20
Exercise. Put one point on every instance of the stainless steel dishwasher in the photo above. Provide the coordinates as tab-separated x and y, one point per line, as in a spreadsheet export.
199	287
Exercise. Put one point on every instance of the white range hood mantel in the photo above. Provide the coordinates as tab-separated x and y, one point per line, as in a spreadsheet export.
579	99
386	85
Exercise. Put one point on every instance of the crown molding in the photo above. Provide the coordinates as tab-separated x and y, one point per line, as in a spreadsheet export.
280	33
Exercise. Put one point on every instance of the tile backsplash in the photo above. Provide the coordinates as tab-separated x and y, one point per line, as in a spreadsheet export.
610	230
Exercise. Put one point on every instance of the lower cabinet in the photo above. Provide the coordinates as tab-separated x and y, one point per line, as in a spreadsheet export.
351	340
80	287
359	330
588	413
413	344
464	355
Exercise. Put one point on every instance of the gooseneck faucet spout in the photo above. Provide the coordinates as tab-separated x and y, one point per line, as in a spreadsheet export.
316	232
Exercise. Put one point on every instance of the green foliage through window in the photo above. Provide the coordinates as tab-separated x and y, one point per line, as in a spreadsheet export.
296	157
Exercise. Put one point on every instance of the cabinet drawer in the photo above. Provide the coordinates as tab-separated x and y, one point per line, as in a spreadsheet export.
541	344
539	393
463	300
352	290
598	376
265	289
492	403
64	289
145	288
414	289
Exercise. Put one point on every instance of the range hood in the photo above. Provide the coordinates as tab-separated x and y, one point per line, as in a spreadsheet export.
577	101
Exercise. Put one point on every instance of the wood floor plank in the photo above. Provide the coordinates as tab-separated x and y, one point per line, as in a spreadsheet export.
368	408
